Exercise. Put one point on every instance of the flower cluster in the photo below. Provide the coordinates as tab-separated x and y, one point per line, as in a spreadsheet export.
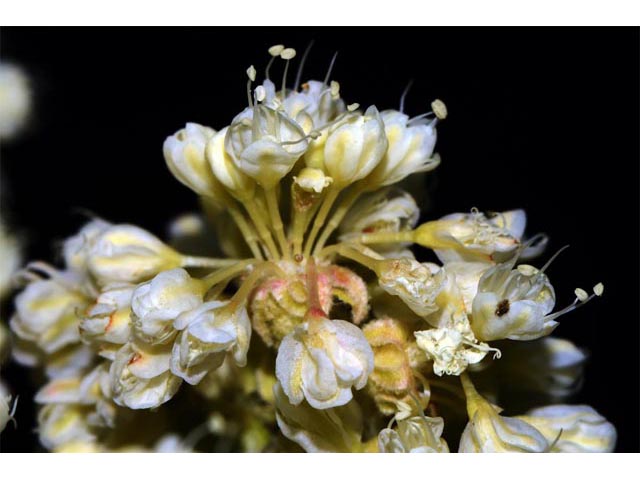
317	328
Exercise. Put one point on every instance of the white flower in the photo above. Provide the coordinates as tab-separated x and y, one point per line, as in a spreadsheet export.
336	429
46	314
126	253
225	170
76	248
15	100
184	153
140	376
410	149
207	333
157	303
414	435
580	428
321	360
317	102
413	282
60	424
473	236
514	304
355	147
452	348
487	431
109	318
265	143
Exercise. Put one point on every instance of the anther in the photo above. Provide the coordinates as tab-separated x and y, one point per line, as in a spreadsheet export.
439	108
353	107
335	90
275	50
260	93
287	53
598	289
581	294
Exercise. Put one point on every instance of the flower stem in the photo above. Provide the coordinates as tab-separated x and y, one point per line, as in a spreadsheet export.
327	203
339	214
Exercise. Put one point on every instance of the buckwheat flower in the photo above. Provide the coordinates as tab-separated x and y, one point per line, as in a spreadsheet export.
321	360
60	424
418	434
453	347
207	334
15	100
126	253
337	429
108	320
157	303
488	431
413	282
265	143
76	249
580	428
516	304
410	150
319	102
473	236
140	376
355	147
46	313
184	153
225	170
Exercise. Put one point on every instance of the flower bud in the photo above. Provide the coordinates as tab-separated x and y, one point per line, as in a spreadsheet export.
61	424
489	432
265	144
207	333
338	429
321	360
414	435
410	150
184	153
580	428
126	253
109	318
46	314
240	185
140	376
76	249
355	147
157	303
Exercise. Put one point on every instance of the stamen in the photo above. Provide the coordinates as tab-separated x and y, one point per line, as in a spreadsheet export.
286	54
251	73
404	95
415	120
274	51
313	134
333	61
301	66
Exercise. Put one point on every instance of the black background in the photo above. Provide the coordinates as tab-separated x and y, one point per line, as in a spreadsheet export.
544	119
